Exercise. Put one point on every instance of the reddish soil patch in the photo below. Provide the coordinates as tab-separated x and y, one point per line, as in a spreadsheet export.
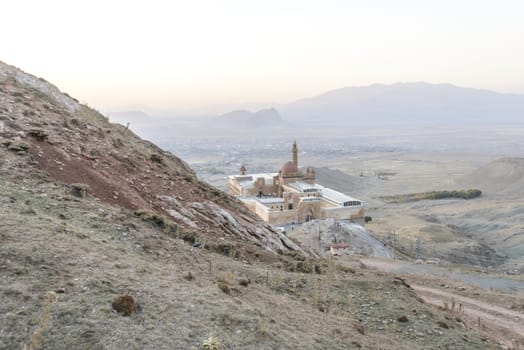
108	179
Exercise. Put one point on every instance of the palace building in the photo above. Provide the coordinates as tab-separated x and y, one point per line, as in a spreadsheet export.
292	196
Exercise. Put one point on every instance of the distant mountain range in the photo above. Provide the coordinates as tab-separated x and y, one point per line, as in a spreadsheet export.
407	102
244	119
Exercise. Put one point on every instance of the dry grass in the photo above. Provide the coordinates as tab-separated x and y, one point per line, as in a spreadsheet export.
213	343
454	309
43	323
280	309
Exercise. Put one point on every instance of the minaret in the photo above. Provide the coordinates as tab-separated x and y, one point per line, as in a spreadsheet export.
295	153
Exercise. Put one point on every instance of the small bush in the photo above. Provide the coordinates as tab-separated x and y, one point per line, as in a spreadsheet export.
17	146
39	134
213	343
124	304
345	269
156	158
299	256
403	318
224	248
224	287
472	193
188	236
79	190
244	282
224	282
156	220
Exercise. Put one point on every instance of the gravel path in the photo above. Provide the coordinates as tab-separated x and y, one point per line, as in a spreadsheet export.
480	280
500	323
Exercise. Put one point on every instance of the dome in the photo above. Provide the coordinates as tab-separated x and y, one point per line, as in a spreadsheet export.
289	168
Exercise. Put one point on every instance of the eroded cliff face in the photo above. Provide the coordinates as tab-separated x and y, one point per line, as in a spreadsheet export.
46	132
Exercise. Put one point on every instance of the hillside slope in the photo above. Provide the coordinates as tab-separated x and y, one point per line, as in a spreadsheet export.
75	144
212	279
501	177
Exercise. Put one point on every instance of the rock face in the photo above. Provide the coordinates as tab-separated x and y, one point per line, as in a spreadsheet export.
82	146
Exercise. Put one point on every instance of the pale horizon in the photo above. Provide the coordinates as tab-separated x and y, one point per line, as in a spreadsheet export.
181	55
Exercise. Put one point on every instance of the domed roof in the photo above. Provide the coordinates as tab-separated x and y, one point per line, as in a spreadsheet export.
289	168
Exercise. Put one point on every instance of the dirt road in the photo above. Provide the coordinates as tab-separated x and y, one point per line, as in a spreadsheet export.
503	325
378	249
498	323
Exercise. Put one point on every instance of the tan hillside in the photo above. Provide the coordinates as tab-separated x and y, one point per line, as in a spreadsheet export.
108	242
503	176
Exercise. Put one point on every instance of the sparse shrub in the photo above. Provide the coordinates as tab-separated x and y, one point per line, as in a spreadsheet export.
43	322
345	269
356	343
39	134
79	190
443	324
224	282
295	255
307	266
156	158
368	219
156	220
224	287
472	193
188	236
124	304
17	146
188	276
224	248
456	310
213	343
403	318
360	328
75	122
244	282
304	267
117	142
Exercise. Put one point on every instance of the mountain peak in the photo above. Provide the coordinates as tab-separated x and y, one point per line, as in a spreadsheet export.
244	119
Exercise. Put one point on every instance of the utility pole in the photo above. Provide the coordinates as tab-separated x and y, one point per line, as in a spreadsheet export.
417	249
319	240
394	244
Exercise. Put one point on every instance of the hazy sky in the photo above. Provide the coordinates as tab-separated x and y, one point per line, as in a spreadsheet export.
192	53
